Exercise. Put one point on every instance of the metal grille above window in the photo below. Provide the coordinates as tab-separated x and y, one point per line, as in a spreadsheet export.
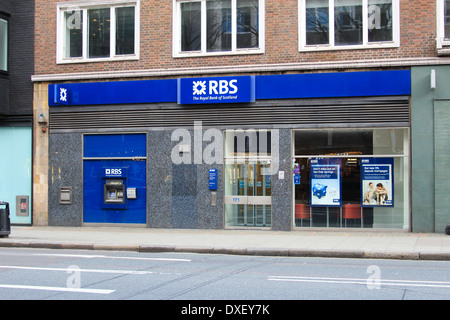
354	112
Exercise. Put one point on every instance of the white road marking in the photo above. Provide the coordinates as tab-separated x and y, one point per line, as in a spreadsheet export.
78	270
386	282
108	257
60	289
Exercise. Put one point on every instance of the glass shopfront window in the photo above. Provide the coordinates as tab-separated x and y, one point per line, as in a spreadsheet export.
351	178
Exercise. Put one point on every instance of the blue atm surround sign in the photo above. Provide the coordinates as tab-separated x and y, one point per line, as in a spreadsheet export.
216	90
109	171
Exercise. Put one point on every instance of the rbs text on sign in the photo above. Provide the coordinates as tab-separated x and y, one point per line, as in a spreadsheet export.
216	90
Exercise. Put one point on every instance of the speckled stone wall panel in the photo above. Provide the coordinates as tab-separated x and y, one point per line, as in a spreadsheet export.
184	195
178	194
209	216
282	188
65	170
159	186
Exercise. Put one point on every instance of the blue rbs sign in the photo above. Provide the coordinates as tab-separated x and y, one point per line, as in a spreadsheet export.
216	90
239	89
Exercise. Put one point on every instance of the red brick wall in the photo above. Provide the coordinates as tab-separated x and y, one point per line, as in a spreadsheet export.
417	28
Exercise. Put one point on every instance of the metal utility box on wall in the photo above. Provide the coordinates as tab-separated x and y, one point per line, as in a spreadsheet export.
22	206
65	195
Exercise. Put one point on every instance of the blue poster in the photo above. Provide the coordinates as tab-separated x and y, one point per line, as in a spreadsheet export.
377	183
326	188
297	177
212	179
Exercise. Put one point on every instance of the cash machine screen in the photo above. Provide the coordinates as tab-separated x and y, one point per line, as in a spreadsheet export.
114	191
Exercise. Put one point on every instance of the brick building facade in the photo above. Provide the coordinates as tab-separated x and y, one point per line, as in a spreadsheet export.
155	41
281	41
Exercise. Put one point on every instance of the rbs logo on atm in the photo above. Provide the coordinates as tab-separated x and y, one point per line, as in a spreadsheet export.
215	87
115	172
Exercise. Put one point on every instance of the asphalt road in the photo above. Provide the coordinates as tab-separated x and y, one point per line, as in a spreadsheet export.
42	274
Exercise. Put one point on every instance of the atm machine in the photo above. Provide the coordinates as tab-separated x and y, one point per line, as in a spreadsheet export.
114	188
114	191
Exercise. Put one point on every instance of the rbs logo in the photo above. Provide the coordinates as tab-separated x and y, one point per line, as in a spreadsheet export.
237	89
113	171
215	87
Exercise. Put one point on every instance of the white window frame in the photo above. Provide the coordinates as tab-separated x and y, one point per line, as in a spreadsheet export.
441	45
85	6
395	43
177	53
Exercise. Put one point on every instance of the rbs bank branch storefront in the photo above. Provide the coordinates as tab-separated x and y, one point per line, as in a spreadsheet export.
328	150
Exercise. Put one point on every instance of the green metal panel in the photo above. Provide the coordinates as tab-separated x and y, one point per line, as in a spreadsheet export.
442	164
422	159
428	135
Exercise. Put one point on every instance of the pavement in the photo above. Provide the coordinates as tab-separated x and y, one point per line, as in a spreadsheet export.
297	243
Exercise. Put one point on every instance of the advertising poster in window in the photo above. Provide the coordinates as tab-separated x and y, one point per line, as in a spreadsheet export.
377	183
325	182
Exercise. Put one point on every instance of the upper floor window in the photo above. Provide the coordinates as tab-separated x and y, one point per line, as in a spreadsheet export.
443	27
210	27
348	24
98	32
3	45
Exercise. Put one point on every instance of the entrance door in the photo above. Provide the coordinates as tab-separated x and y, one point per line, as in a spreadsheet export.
248	194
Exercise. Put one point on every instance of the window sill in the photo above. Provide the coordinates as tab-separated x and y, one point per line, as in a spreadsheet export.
441	52
221	53
109	59
374	45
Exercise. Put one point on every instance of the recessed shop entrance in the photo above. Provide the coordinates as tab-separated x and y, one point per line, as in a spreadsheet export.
247	172
248	200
